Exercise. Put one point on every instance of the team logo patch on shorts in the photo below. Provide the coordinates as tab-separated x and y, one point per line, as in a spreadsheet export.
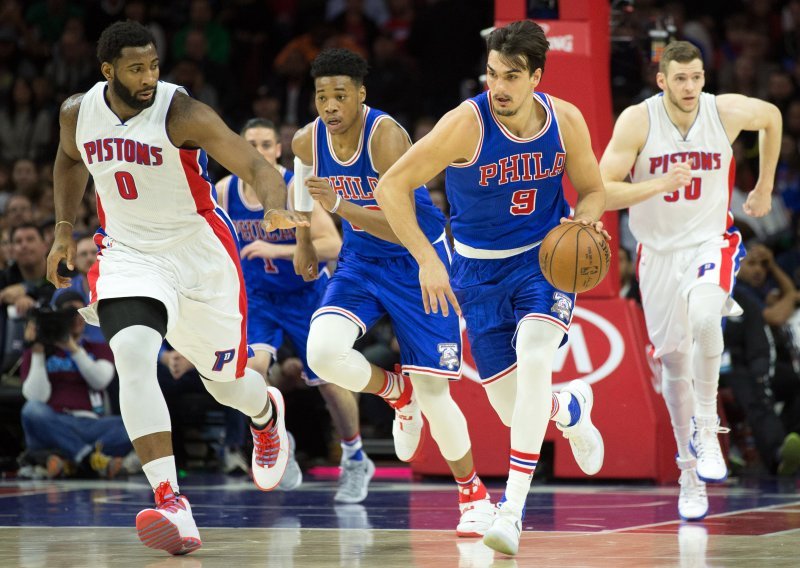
562	306
449	358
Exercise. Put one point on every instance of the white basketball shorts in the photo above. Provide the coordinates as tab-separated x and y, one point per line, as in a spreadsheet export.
200	283
665	280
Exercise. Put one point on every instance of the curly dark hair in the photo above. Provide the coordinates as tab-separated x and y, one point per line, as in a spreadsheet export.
337	61
120	35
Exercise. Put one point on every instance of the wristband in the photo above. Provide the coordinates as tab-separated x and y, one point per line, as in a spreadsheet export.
336	205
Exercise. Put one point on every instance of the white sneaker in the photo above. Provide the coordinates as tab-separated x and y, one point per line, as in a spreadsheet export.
503	536
408	425
476	518
354	478
234	462
711	466
170	526
692	501
270	447
584	438
293	476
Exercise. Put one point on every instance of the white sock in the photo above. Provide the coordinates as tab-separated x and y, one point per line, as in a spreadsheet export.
262	420
160	470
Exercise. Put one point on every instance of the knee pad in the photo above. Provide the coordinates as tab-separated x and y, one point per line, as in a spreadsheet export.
142	404
705	306
330	351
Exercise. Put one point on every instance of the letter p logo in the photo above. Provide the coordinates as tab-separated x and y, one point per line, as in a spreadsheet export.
223	357
705	268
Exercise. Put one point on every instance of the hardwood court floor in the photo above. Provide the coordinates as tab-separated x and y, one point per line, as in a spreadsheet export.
400	525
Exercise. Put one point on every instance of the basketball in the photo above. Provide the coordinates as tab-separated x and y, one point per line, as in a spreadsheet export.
574	257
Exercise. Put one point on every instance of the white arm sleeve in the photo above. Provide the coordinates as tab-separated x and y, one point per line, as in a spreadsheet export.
302	199
37	384
97	373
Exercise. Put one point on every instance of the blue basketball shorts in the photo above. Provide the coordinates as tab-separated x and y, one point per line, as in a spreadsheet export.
363	289
271	316
496	295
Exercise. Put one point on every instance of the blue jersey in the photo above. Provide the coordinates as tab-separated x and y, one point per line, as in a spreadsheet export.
355	180
262	274
509	195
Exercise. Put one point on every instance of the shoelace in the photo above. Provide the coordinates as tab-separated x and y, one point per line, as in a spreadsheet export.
691	486
166	499
708	445
267	446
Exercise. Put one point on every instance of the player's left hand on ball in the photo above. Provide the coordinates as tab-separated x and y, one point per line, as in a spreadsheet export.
596	225
283	219
758	203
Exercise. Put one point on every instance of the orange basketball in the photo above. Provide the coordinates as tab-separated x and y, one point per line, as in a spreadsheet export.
574	257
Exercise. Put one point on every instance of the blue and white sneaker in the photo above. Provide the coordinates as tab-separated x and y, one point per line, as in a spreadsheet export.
704	444
692	500
584	438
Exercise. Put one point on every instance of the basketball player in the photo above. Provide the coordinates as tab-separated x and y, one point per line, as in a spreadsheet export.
168	263
504	153
281	302
347	149
676	148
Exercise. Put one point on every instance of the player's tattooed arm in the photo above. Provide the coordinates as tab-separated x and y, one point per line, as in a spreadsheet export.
70	177
630	135
192	124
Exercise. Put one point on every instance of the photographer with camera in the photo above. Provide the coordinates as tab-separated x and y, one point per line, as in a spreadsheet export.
64	379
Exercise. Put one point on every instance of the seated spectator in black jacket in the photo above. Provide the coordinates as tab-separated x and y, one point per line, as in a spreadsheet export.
748	368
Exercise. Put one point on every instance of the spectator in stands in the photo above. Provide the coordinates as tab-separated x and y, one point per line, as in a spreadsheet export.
64	378
763	279
71	68
201	19
747	370
18	211
398	26
24	284
25	178
354	22
25	130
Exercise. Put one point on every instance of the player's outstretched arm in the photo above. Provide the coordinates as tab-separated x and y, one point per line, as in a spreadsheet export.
191	123
581	165
70	176
738	113
630	135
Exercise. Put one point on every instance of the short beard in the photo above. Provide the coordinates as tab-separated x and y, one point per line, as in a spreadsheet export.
505	112
130	100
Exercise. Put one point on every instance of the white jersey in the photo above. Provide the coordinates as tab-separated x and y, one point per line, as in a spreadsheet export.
151	195
700	211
